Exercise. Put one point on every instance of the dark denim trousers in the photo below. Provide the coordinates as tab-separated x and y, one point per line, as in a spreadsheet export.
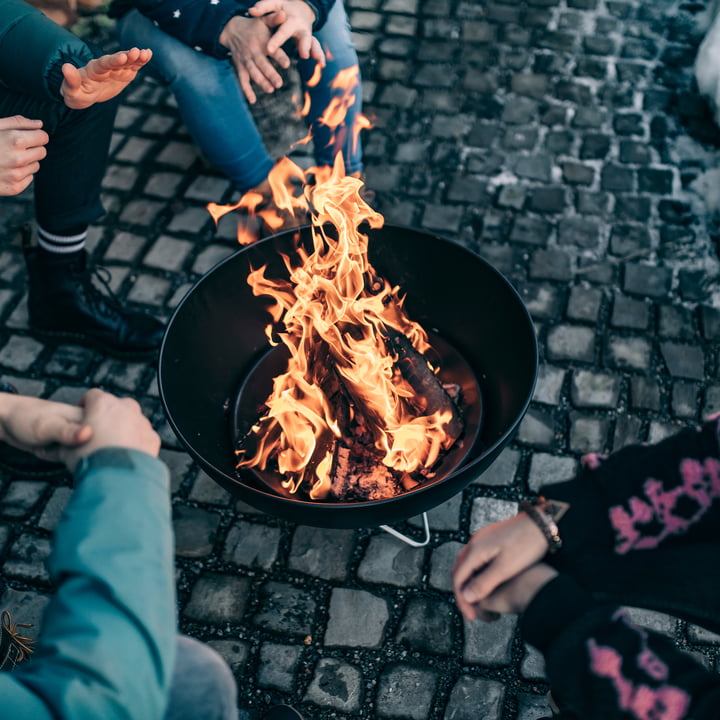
67	186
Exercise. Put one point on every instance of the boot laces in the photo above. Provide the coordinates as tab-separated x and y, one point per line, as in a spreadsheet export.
23	643
105	300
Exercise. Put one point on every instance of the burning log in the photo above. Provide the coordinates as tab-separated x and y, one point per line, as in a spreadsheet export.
429	395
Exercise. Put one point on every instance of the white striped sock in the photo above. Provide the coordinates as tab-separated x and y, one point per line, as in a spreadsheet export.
61	244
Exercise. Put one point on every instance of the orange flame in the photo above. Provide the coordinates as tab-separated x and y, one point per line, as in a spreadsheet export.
335	303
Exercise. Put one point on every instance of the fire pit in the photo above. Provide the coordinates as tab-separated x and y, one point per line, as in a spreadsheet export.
216	340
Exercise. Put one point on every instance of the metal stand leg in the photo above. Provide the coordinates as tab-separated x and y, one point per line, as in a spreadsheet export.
409	540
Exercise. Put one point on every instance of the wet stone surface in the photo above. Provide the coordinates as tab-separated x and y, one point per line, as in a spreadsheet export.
545	137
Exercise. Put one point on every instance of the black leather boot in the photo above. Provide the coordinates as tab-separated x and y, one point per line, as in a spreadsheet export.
65	304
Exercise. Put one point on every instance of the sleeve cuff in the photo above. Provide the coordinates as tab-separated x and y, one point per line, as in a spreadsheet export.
554	608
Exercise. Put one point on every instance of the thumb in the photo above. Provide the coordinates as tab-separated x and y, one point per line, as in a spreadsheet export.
71	75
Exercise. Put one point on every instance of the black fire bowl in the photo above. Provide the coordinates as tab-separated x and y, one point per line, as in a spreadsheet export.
217	334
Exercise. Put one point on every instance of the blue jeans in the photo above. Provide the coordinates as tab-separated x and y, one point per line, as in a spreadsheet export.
203	685
216	112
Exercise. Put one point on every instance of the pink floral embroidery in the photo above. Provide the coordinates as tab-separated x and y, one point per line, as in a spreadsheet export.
666	702
700	483
592	460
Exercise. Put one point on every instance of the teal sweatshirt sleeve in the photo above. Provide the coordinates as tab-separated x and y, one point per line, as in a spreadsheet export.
107	644
33	50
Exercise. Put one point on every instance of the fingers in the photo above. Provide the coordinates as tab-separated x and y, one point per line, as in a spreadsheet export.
22	147
18	122
316	52
246	85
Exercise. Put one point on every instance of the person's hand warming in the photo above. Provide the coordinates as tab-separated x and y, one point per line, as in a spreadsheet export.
290	19
494	555
247	40
513	596
42	427
102	78
115	422
22	146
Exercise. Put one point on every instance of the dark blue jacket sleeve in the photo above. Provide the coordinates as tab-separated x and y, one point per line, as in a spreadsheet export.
198	23
33	50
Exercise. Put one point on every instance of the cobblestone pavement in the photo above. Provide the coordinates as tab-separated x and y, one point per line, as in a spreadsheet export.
561	140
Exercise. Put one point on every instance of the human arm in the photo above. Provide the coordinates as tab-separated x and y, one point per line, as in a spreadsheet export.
603	667
199	24
639	498
41	426
106	649
56	65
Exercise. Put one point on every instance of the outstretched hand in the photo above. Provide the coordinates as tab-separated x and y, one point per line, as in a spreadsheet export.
102	78
494	555
290	19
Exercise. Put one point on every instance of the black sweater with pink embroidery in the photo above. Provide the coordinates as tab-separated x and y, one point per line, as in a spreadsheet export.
643	529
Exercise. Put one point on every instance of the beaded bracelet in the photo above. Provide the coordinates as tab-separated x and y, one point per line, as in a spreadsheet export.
536	510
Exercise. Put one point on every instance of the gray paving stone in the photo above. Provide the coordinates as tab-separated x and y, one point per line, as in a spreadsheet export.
54	508
502	470
473	698
588	434
21	496
684	361
337	685
195	531
388	560
252	545
406	692
489	644
277	666
546	469
644	394
149	289
206	490
442	560
445	516
19	353
286	609
26	606
490	510
629	352
427	626
537	428
584	303
684	399
217	599
656	621
321	553
234	652
630	313
27	559
533	664
571	342
593	389
356	618
168	253
533	707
